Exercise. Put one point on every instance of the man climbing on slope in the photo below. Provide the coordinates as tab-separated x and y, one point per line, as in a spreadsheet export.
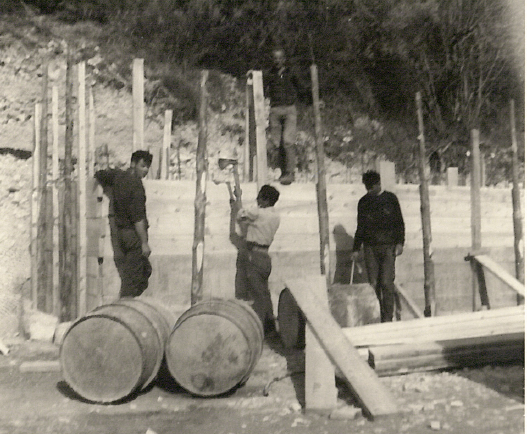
129	223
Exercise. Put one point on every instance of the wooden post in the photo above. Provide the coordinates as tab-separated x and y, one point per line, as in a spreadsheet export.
44	295
322	203
475	211
200	201
261	143
167	138
516	203
35	207
429	283
55	189
452	177
91	134
81	185
138	105
68	284
249	149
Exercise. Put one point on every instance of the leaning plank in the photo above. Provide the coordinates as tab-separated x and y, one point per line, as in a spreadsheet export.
465	325
410	304
501	274
373	397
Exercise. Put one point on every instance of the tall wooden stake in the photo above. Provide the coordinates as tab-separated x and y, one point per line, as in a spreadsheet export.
55	189
322	203
249	149
200	201
138	105
429	283
516	203
81	185
44	296
67	270
261	143
91	135
167	138
475	211
35	207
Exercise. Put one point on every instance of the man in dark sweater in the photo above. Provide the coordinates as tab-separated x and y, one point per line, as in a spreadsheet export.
128	222
380	228
282	87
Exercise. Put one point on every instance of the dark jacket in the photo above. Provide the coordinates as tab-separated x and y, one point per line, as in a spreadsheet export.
128	196
379	220
282	89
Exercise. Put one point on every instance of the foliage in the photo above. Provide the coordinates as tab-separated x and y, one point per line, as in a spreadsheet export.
465	56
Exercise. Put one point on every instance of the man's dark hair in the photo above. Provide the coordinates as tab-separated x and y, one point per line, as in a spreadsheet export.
370	178
142	155
269	193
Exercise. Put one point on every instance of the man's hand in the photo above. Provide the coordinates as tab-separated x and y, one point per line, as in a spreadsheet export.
355	255
398	249
146	249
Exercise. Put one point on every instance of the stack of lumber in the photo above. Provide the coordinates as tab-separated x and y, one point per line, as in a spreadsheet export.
459	340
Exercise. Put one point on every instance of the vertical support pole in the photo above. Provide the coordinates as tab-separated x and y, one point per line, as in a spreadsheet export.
322	202
259	114
167	138
67	286
429	283
55	171
35	206
452	176
320	390
250	131
44	296
519	254
91	134
475	211
200	201
81	185
138	104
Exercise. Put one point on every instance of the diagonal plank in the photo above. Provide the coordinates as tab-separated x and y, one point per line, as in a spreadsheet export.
501	274
373	397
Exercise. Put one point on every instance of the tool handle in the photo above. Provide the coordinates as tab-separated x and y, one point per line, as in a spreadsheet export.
352	271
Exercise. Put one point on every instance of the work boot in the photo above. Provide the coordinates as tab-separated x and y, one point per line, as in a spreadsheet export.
287	178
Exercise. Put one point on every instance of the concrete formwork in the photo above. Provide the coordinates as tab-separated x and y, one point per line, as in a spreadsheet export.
295	251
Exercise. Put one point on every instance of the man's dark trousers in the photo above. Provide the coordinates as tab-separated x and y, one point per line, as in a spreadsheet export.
134	268
253	268
380	266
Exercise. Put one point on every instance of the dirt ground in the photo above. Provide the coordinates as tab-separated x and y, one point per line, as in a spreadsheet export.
484	400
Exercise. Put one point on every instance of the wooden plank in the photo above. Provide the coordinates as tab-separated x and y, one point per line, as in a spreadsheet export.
501	274
372	395
138	105
475	209
321	393
167	139
55	173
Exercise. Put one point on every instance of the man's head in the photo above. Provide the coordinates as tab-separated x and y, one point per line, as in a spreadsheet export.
372	181
140	163
279	57
267	196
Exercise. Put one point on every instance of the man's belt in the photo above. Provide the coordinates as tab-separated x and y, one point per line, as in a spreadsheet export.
255	246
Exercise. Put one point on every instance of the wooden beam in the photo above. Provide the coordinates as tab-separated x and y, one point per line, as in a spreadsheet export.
81	185
35	206
261	142
372	395
91	134
426	223
138	104
55	173
200	201
321	393
475	210
167	139
501	274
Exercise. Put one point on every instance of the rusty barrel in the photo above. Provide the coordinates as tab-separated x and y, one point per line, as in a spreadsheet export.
116	349
214	346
